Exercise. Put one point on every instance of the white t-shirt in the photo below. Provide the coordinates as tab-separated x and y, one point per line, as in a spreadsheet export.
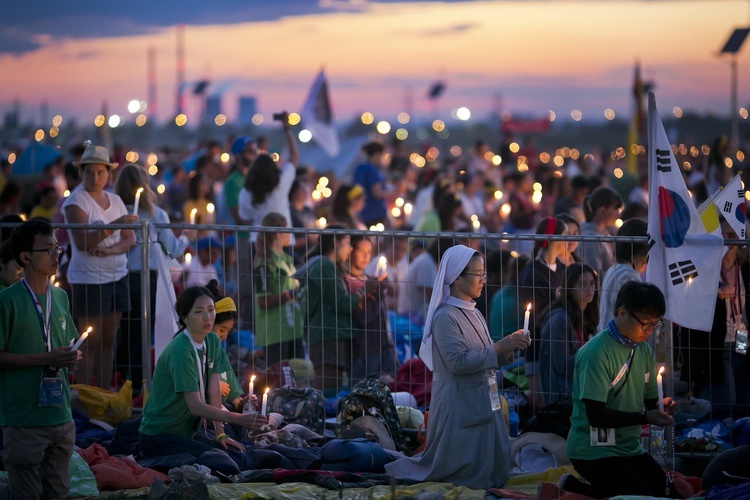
200	275
84	268
421	274
276	201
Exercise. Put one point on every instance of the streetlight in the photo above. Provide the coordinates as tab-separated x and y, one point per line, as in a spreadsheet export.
732	47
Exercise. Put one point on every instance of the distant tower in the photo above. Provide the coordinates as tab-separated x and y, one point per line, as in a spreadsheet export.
212	107
152	108
180	68
247	108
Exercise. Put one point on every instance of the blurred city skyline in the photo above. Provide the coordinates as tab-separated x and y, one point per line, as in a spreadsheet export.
526	57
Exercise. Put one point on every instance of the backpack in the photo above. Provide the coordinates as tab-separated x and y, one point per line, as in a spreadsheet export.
299	406
372	397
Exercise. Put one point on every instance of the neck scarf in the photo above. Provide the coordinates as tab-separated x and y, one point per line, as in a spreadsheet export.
454	261
619	337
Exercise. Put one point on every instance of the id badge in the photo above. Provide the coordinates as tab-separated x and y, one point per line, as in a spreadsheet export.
602	436
740	341
50	391
494	396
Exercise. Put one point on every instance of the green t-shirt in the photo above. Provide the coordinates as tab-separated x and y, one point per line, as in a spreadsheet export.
235	391
166	411
284	322
21	333
232	187
597	364
327	307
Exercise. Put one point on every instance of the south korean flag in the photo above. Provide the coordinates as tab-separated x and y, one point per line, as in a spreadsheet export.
730	202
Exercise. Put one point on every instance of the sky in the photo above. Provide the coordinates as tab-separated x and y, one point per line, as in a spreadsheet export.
522	56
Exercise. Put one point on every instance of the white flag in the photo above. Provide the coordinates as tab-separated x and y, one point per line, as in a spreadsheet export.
684	261
317	117
730	202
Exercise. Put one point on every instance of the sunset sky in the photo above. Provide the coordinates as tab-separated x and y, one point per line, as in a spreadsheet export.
381	56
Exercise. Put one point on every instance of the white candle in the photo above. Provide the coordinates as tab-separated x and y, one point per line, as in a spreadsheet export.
81	339
192	215
210	208
265	402
381	265
137	200
251	388
660	388
526	319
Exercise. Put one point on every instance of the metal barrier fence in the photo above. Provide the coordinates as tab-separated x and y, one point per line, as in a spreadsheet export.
368	321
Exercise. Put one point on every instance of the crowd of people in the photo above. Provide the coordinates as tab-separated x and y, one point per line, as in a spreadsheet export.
329	295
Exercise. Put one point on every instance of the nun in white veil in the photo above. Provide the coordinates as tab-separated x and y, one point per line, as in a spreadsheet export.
467	439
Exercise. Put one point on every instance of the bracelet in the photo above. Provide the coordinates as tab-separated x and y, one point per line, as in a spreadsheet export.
222	437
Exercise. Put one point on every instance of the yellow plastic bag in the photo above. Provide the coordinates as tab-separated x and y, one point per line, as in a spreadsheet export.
111	407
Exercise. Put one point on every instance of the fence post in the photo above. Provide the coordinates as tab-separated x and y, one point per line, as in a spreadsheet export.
146	330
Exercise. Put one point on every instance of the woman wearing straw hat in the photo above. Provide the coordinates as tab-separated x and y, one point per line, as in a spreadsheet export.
98	266
465	413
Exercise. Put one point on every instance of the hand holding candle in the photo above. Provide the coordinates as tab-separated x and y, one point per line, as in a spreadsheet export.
137	200
526	320
381	266
264	406
81	339
192	216
660	388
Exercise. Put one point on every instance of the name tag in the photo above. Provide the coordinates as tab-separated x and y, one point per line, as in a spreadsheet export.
50	391
494	396
602	436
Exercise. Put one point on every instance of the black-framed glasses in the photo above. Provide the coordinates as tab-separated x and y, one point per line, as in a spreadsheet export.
481	276
645	326
51	251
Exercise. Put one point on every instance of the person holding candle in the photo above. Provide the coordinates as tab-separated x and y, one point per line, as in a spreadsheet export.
467	439
128	354
36	329
615	389
348	202
278	320
195	209
186	390
98	268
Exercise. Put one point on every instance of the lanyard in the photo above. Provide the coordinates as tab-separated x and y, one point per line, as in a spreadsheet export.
41	315
201	366
623	369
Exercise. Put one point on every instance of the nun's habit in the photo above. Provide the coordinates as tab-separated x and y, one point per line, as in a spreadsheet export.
467	442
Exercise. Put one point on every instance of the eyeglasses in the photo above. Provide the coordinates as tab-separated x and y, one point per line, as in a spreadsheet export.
645	326
51	251
481	276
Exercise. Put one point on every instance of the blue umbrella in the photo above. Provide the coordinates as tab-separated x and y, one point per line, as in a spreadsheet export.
34	158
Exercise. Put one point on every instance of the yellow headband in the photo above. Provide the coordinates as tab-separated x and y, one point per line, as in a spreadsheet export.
225	305
355	192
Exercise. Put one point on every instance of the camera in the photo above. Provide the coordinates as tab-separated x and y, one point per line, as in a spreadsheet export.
279	117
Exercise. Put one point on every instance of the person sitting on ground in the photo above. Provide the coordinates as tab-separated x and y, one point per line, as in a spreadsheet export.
614	390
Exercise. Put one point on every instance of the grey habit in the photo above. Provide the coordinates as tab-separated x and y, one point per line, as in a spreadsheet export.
467	442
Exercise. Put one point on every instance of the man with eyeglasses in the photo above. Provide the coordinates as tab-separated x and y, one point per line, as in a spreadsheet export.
36	330
614	394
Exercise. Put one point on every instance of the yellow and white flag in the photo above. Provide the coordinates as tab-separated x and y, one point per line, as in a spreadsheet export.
730	202
684	260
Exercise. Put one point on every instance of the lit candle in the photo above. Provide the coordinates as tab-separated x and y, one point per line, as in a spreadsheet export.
210	208
265	402
251	388
137	200
381	265
526	319
192	215
660	388
81	339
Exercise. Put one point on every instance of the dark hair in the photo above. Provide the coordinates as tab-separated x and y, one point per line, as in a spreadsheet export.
22	237
627	251
438	247
579	182
446	211
194	184
262	178
372	148
441	187
356	239
588	319
541	228
11	191
186	301
6	231
213	287
601	197
327	242
6	252
633	209
569	219
635	296
341	203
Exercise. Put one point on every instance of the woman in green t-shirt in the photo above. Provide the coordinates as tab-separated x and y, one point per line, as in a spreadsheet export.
185	390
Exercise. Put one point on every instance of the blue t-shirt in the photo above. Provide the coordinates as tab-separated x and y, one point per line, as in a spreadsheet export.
367	176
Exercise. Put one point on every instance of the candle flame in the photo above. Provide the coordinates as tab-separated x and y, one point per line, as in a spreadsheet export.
528	307
88	330
382	259
252	378
193	212
661	370
267	390
138	191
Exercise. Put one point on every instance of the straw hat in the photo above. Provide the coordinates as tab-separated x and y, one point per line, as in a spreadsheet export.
95	155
